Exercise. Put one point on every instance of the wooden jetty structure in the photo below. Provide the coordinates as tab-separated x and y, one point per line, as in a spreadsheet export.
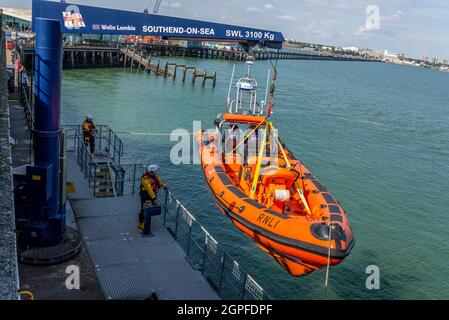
127	57
80	57
116	55
136	60
88	57
140	61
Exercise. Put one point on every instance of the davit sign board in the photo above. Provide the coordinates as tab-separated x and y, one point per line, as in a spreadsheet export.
93	20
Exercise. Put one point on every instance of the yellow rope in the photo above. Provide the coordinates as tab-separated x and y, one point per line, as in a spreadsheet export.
284	155
247	137
287	161
259	164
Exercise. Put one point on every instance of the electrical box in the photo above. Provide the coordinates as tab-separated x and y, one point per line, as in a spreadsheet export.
39	183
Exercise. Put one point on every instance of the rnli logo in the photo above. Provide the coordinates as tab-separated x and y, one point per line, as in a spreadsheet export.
73	20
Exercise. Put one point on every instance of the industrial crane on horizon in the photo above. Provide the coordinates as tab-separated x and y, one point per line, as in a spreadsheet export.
157	5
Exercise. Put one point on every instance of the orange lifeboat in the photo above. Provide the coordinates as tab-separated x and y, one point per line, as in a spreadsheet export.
272	197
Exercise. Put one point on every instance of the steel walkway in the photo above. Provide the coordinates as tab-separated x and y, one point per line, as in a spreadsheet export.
127	265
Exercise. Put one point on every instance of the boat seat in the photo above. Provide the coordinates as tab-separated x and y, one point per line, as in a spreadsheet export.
273	175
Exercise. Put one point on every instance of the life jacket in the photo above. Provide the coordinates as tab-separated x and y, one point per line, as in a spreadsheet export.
154	181
88	127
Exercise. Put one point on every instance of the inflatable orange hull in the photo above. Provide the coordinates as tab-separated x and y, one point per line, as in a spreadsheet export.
300	240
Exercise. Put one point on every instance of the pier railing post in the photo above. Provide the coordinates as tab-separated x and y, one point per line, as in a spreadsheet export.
189	239
113	150
220	283
244	287
165	206
85	162
95	180
101	137
134	178
177	220
205	254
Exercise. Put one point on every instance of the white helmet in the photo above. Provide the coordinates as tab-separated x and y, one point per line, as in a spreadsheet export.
152	168
89	117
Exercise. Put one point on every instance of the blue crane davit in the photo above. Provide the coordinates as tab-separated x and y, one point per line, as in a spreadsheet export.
51	19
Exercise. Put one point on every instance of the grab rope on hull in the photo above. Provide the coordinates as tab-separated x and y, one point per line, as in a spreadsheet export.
326	282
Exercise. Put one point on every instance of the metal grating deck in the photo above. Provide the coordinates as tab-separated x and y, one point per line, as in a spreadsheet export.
129	266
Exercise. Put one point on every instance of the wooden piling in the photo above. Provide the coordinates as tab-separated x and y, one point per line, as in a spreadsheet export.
194	76
176	70
204	78
72	58
85	58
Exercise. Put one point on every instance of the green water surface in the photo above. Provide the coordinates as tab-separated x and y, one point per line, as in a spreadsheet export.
376	135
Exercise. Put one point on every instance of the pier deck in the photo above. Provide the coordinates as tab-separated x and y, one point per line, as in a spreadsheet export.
127	265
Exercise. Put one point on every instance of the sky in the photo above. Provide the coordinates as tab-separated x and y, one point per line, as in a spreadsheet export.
417	28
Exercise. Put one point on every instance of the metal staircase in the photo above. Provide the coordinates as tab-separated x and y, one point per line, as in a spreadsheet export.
103	181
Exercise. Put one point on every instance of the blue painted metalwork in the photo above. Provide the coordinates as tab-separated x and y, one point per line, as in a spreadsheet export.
50	19
93	20
47	224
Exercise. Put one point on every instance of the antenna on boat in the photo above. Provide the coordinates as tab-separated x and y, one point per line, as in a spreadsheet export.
266	91
273	86
228	100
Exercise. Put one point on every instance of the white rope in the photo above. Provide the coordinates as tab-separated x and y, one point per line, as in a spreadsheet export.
326	282
152	133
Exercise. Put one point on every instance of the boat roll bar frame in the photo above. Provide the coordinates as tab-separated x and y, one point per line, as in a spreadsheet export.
52	19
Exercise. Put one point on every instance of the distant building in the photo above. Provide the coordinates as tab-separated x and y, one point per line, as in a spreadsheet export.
376	55
351	49
390	57
17	19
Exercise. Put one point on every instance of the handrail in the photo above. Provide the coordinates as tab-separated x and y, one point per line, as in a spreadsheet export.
222	271
204	252
28	110
106	140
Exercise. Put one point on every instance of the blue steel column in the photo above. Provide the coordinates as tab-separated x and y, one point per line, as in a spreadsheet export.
47	130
